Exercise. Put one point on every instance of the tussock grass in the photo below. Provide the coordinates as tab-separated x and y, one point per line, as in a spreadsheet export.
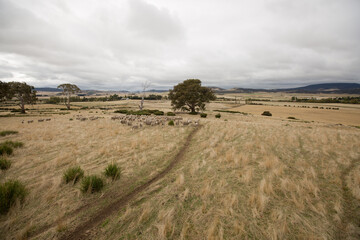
4	163
7	132
113	171
73	174
91	184
11	193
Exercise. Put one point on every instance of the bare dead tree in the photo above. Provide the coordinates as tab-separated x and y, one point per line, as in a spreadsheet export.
145	85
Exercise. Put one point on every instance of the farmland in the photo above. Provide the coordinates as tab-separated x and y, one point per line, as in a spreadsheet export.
240	176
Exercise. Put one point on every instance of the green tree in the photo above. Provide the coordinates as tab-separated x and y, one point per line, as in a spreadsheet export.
190	96
24	93
4	91
68	89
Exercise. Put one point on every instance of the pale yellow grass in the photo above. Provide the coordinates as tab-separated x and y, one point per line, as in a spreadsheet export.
51	147
259	179
347	114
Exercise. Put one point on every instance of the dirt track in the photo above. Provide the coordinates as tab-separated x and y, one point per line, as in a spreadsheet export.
83	231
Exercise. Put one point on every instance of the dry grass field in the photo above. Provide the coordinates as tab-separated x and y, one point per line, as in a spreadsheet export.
242	177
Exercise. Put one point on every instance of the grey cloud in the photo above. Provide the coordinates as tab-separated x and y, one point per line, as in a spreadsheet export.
119	44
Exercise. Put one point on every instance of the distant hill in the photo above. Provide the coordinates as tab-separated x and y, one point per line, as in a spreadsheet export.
350	88
48	89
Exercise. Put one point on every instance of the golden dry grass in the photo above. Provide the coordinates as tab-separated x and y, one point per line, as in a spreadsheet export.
251	180
51	147
250	177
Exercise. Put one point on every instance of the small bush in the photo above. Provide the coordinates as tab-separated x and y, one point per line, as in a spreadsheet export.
4	163
291	118
5	149
10	193
159	113
113	171
71	119
73	174
218	115
9	132
170	114
266	113
123	111
171	123
91	184
203	115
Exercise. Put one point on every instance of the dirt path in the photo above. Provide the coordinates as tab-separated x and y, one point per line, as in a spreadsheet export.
83	230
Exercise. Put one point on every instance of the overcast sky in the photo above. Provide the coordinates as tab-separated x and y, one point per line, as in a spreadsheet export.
119	44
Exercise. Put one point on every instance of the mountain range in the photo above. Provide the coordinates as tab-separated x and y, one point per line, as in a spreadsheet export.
350	88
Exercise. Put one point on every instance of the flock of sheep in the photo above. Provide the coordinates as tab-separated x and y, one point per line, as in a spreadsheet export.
137	121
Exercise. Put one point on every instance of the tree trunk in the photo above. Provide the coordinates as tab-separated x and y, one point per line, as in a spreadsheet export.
141	103
22	105
68	103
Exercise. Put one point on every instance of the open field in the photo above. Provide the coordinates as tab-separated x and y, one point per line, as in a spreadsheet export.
241	176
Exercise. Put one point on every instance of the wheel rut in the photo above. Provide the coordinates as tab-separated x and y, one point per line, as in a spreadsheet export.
82	231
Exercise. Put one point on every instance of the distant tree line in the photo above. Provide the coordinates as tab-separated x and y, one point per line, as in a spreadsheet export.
114	97
346	100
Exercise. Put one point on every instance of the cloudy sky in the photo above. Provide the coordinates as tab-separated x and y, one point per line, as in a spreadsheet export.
119	44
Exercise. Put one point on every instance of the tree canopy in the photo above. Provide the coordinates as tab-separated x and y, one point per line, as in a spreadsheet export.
23	92
4	91
68	90
190	96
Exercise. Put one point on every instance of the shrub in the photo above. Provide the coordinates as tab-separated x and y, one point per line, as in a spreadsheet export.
113	171
170	114
266	113
171	123
123	111
5	149
4	163
91	184
218	115
203	115
159	113
291	118
9	132
73	174
10	193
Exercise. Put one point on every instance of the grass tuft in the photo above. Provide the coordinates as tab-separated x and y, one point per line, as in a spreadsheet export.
171	123
91	184
113	171
4	163
11	192
203	115
8	132
218	115
73	174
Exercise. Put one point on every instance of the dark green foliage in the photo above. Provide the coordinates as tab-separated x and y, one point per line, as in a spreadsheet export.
113	171
171	123
10	193
218	115
266	113
4	163
170	114
231	112
140	112
190	95
24	94
203	115
123	111
91	184
5	149
9	132
15	144
73	174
